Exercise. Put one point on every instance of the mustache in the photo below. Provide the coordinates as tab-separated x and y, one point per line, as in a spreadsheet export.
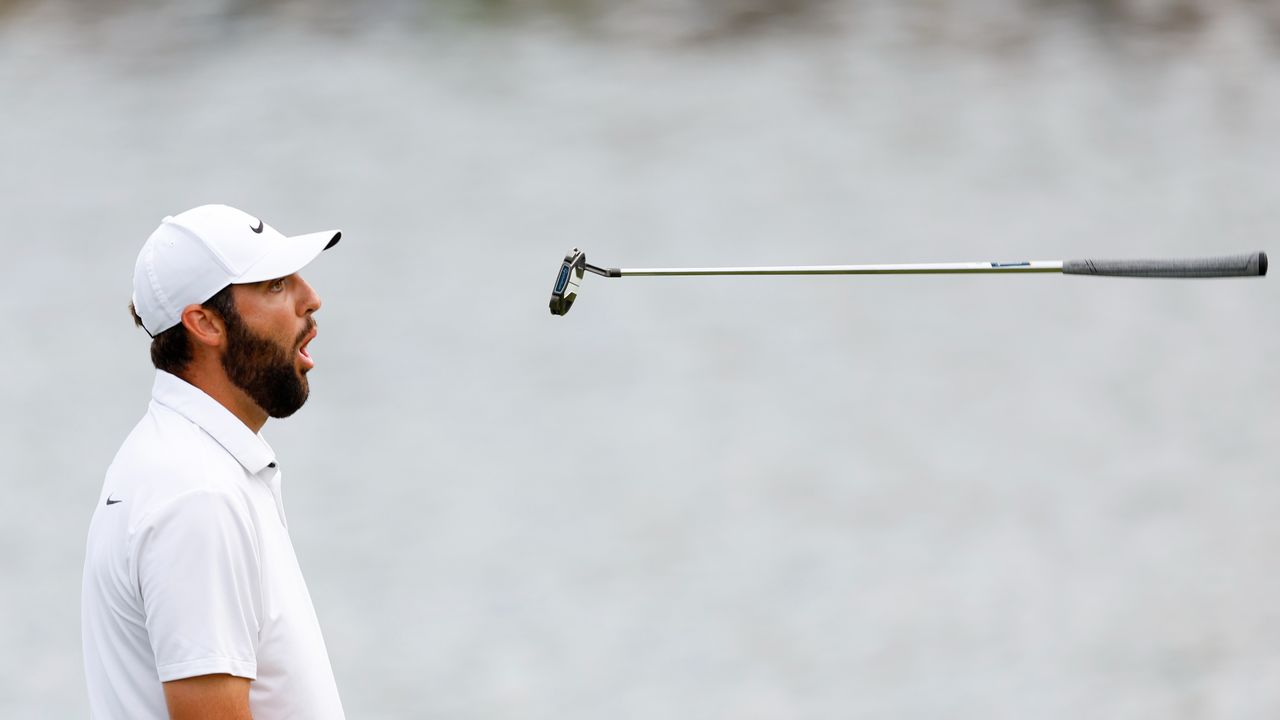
311	325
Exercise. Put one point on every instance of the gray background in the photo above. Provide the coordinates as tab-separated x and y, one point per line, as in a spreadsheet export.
727	498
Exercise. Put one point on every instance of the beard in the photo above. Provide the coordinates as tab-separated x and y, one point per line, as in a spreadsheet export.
264	369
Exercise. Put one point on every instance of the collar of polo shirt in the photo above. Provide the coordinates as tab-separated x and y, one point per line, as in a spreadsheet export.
247	447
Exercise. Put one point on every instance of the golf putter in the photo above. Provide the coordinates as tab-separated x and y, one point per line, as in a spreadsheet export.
575	266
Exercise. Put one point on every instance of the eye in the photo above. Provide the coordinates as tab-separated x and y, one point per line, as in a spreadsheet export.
276	285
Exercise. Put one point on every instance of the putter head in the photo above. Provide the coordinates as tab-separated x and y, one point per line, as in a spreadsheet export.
565	291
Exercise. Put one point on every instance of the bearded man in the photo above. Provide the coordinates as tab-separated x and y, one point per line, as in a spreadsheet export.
193	604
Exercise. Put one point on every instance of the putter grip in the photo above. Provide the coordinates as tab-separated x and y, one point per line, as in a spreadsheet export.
1223	266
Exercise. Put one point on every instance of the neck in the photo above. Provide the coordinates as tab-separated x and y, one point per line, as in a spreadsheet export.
215	383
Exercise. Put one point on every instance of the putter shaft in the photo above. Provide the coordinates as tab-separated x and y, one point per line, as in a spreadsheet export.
1246	265
1036	266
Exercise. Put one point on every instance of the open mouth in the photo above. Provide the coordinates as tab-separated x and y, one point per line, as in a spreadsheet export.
307	361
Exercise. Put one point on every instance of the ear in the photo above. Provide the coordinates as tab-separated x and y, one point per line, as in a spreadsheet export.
204	326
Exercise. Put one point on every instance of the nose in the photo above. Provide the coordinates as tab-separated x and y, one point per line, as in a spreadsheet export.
308	298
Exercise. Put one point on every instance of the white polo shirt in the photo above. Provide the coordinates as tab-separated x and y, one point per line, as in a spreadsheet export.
189	570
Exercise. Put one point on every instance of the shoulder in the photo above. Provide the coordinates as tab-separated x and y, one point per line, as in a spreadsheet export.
204	513
167	455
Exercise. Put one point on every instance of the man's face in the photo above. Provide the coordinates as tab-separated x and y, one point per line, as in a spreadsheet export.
266	353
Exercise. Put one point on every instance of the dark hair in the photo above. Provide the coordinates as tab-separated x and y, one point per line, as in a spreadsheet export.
171	349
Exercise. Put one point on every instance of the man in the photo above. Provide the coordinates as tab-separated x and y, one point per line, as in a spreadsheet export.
193	605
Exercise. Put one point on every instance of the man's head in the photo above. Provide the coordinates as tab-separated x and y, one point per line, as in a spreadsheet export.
263	362
220	294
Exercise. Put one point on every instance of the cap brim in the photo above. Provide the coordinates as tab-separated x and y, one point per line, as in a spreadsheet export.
289	256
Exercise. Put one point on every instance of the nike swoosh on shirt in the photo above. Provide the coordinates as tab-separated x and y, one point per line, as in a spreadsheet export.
112	502
257	229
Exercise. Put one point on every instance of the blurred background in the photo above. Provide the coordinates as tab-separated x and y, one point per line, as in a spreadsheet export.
772	498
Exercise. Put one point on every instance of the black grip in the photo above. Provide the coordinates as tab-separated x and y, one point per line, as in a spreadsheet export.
1225	266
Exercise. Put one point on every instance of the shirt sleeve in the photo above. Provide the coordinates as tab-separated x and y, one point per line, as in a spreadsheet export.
199	572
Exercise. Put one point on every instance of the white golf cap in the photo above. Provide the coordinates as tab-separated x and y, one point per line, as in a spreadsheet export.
193	255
